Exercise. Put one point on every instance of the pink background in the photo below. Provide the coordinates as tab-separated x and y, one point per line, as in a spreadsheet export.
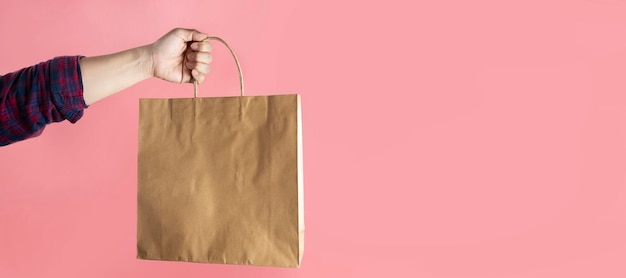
442	138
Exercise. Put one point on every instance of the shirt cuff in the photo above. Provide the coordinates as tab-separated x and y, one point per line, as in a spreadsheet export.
66	85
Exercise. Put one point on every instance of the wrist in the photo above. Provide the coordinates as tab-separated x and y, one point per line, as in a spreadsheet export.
146	59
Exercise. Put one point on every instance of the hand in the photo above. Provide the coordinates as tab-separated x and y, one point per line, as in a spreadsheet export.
182	55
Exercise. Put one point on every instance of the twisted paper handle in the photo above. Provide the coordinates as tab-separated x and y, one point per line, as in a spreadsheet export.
195	83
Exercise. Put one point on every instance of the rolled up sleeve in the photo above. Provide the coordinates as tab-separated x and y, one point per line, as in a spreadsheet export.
34	97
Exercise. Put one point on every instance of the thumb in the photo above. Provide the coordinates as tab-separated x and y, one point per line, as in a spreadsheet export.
192	35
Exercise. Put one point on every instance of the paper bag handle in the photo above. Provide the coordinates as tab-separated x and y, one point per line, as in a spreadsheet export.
195	83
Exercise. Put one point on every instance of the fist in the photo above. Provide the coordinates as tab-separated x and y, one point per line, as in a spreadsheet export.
181	55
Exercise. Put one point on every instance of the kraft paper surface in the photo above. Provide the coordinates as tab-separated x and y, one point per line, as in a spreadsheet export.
220	180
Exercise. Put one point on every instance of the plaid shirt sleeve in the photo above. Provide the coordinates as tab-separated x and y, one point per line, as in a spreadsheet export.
33	97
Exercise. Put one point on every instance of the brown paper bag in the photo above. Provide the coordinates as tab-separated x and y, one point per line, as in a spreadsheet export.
220	180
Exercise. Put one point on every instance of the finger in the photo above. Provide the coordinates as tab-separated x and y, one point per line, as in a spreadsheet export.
198	76
198	36
202	57
203	46
201	67
190	34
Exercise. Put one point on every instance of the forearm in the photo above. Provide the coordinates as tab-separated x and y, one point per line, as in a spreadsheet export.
105	75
